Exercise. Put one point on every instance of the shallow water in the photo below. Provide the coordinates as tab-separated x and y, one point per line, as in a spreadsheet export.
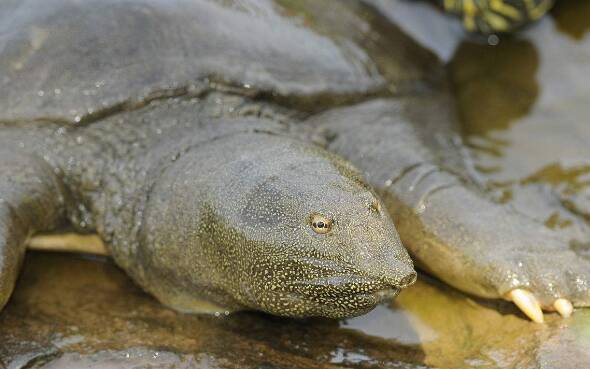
74	312
526	118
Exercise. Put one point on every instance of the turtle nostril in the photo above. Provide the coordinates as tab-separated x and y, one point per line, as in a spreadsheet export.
408	280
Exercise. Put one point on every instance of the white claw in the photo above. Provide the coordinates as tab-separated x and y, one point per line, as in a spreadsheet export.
527	302
563	307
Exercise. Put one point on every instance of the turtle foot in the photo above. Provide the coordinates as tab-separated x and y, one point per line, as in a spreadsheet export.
492	251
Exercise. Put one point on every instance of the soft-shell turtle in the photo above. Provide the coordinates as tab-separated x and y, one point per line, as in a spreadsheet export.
174	130
200	194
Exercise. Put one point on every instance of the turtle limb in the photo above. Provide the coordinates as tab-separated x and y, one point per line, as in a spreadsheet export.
31	199
452	229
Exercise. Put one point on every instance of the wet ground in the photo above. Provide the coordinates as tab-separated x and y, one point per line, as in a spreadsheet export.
524	106
73	312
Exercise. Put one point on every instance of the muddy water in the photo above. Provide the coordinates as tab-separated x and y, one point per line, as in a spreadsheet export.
74	312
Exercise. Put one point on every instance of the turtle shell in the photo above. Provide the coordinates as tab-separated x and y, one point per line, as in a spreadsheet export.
70	59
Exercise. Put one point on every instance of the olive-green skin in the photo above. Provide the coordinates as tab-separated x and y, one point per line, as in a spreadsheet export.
185	133
215	210
200	194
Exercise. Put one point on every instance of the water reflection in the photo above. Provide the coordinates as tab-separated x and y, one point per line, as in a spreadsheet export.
524	107
571	17
67	304
495	85
409	329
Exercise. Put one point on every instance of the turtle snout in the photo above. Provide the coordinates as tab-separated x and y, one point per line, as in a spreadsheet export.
397	274
408	279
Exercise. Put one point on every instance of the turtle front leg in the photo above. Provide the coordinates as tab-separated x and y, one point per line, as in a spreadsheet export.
450	227
31	199
491	16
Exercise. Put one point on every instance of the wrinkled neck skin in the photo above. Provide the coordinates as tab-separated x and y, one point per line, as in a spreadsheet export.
239	235
198	231
131	154
110	167
227	247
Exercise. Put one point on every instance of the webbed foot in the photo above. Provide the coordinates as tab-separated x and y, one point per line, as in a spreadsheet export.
492	251
550	277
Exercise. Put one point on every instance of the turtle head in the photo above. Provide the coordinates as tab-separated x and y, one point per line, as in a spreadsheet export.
324	244
283	227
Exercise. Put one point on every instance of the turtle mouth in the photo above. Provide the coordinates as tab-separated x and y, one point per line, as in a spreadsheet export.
372	298
342	305
336	296
344	286
336	291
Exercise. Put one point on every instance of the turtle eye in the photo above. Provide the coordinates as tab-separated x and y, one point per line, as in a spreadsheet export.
320	224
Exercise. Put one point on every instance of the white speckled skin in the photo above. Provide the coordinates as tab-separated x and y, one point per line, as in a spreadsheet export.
79	77
214	209
169	128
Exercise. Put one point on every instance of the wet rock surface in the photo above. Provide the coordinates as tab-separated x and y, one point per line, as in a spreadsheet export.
74	312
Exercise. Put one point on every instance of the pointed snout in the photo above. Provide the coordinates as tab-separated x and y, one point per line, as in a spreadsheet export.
397	274
391	271
402	276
